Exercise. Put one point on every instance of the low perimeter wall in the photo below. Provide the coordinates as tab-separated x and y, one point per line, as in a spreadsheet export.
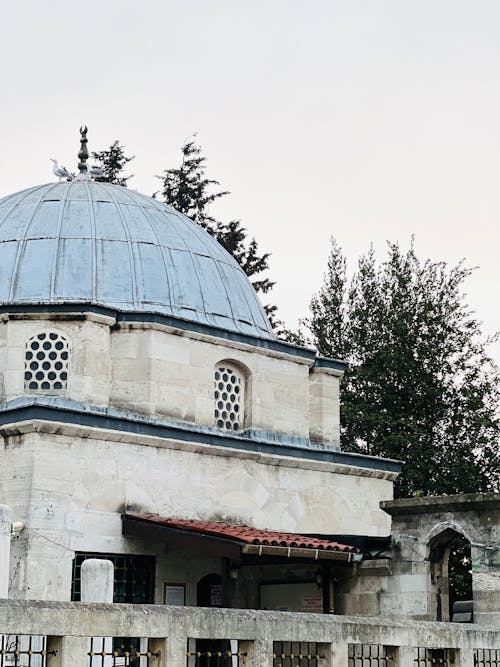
259	638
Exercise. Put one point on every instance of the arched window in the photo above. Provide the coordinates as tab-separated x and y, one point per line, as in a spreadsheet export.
46	363
229	396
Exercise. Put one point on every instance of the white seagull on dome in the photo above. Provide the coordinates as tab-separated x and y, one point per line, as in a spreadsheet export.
60	171
96	171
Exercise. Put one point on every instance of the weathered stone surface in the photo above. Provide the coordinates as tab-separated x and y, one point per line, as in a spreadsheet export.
97	580
421	524
78	619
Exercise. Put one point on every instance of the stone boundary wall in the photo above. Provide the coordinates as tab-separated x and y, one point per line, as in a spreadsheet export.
69	624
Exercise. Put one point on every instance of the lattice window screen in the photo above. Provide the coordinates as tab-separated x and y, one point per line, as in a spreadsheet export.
229	390
46	363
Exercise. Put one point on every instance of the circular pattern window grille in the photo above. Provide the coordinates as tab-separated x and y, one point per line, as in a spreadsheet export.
228	394
46	363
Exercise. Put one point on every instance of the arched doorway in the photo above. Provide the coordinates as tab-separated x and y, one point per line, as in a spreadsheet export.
209	594
451	575
209	591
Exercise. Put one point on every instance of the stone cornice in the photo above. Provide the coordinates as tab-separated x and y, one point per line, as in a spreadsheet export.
465	502
58	415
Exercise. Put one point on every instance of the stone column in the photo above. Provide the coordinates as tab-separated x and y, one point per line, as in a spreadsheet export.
486	584
176	650
260	653
158	647
464	657
67	651
5	530
97	585
405	656
332	655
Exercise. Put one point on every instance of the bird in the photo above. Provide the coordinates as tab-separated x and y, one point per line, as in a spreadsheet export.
60	171
96	171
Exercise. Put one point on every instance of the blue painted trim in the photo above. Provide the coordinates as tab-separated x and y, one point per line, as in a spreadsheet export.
167	320
325	362
68	412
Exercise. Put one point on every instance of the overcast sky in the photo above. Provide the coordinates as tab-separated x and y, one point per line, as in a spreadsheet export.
368	120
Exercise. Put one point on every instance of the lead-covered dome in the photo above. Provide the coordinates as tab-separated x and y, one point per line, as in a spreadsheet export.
94	243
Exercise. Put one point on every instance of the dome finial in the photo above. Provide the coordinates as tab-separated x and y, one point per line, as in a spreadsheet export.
83	153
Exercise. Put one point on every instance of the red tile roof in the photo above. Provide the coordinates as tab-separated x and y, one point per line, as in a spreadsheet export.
245	534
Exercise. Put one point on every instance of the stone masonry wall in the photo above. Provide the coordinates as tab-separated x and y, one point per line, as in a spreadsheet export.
80	483
161	372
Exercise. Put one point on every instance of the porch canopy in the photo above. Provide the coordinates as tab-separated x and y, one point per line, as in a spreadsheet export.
216	538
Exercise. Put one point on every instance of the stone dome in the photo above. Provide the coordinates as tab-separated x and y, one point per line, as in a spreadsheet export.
94	243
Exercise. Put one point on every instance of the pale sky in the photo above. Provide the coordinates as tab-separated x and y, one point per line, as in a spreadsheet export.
368	120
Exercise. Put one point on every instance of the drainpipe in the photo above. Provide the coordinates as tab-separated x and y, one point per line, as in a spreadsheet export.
5	535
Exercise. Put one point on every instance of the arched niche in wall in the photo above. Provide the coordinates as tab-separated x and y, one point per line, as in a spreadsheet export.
46	362
232	408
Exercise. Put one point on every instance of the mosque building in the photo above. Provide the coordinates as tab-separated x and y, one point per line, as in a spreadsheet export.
150	416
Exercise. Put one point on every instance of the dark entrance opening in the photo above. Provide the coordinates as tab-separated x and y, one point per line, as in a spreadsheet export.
209	591
212	651
451	575
459	572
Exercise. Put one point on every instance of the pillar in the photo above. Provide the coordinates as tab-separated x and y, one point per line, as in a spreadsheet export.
67	651
464	657
486	584
405	656
176	651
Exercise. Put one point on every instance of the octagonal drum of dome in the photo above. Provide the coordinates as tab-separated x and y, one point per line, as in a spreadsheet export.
94	243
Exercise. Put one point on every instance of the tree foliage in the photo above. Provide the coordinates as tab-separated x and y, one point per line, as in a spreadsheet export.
187	189
459	572
113	162
420	386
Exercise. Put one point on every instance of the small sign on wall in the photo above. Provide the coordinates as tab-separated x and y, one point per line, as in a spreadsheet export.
312	603
216	595
175	595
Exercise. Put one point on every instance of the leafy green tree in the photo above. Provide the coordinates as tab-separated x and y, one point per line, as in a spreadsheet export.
189	191
420	386
113	162
460	571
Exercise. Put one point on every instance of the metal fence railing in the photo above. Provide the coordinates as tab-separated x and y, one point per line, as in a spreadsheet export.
35	633
119	652
434	657
374	655
213	653
487	657
23	651
295	654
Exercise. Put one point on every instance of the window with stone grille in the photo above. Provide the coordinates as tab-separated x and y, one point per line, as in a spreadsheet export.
229	396
46	363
